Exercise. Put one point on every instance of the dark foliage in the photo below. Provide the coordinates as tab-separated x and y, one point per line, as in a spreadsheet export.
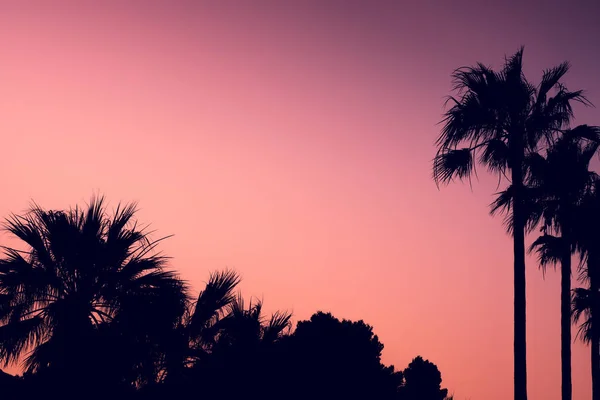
91	311
423	381
323	358
339	359
501	120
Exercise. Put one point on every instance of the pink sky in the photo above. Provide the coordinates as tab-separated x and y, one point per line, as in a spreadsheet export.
293	141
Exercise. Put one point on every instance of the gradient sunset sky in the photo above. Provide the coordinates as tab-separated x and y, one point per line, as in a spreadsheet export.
292	141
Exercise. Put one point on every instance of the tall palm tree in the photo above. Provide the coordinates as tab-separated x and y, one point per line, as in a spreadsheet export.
586	301
497	118
560	181
82	273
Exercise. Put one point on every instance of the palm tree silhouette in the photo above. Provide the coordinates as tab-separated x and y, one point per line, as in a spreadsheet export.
216	338
586	301
194	335
245	347
500	117
82	274
560	181
247	327
218	320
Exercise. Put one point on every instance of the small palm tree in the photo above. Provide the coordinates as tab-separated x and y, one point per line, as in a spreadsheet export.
586	301
560	181
247	346
497	119
248	326
217	334
81	275
194	335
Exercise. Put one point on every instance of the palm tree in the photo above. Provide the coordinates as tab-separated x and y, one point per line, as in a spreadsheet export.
586	301
194	335
560	181
243	327
217	335
497	119
84	282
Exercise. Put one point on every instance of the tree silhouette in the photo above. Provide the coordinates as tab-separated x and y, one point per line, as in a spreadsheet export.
246	327
194	335
423	381
90	308
214	338
329	358
245	350
498	119
83	277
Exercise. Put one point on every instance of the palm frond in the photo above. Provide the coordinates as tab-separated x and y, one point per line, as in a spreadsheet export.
549	249
237	307
587	153
550	78
19	336
28	229
471	120
591	133
451	164
495	156
279	324
513	66
581	305
40	357
532	209
117	234
27	283
137	267
93	223
503	204
535	168
559	106
218	294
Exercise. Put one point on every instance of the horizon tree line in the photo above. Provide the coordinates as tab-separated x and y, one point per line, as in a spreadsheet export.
90	309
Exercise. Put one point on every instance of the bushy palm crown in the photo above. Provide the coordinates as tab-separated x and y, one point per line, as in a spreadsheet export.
496	114
216	320
588	244
558	184
193	336
248	326
80	272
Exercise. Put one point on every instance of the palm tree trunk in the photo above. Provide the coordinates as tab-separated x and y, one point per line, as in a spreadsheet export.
595	362
595	327
565	320
520	338
520	332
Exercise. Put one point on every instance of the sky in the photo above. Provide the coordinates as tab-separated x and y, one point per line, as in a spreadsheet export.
292	141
